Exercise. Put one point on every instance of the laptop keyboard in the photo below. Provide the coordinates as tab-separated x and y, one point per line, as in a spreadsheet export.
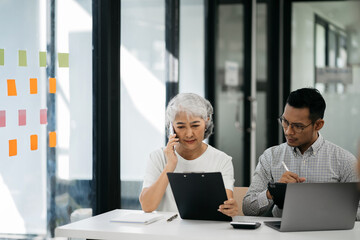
274	224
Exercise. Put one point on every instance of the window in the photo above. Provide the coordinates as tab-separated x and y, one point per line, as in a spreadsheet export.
142	91
330	56
330	41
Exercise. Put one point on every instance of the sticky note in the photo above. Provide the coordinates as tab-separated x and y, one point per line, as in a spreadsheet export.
33	86
33	142
43	116
42	59
52	139
22	117
2	57
22	58
11	87
12	147
52	85
2	118
63	59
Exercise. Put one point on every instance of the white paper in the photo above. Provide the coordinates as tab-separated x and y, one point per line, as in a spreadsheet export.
231	74
144	218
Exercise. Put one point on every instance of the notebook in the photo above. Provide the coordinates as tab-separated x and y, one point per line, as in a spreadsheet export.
140	217
318	206
199	195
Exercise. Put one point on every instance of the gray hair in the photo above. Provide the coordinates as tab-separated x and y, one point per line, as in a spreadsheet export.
194	105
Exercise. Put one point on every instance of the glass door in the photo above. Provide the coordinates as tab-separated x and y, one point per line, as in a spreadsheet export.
229	86
235	102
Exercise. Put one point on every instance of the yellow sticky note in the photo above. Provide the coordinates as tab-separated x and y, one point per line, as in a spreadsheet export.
42	59
63	59
52	139
2	57
52	85
12	147
11	87
33	142
22	58
33	86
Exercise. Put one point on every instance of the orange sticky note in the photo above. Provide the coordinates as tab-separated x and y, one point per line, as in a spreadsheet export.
33	86
52	139
52	85
11	87
12	147
33	142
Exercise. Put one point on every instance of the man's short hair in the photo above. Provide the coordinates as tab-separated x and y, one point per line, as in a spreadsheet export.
308	98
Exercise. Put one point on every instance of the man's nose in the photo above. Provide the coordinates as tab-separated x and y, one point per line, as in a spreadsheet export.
289	130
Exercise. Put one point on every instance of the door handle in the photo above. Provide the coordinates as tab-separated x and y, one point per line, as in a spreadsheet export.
253	110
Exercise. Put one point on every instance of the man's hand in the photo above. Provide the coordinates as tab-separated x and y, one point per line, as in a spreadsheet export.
268	195
290	177
229	208
287	177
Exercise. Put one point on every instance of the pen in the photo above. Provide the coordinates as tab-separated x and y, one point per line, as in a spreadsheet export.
286	168
172	218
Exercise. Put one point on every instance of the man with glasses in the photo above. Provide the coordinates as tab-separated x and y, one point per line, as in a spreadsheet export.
305	157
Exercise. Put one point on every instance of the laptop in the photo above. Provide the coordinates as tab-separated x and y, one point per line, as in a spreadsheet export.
199	195
318	206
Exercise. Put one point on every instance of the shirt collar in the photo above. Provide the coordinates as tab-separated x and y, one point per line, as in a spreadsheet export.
317	144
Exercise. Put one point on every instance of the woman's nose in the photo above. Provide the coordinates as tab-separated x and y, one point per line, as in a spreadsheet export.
189	132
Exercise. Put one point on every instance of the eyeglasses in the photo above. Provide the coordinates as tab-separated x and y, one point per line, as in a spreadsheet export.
298	128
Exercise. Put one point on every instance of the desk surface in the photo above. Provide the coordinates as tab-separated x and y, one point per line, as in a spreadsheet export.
100	227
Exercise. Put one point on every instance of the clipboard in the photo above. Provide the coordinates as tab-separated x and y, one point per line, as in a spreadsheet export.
199	195
277	191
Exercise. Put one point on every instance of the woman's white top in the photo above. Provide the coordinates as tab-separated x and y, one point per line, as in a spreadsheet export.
212	160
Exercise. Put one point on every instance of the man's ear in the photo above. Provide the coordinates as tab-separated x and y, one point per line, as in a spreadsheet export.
319	124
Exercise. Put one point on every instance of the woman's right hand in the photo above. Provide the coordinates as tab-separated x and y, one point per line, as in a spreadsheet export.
169	152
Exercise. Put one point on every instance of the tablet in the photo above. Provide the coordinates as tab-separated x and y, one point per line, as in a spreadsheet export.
277	191
199	195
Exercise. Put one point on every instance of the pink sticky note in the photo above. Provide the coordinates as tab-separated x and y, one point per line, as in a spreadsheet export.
2	118
43	116
22	117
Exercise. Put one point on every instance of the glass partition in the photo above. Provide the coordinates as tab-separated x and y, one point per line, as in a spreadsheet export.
45	114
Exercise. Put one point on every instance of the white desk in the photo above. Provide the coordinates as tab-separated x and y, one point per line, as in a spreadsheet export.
100	227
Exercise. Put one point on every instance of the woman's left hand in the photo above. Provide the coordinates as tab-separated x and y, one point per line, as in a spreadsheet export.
229	208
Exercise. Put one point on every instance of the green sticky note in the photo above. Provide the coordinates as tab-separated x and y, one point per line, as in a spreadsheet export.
63	59
42	59
1	57
22	58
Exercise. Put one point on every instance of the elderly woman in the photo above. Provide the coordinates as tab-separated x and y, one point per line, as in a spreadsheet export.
190	116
